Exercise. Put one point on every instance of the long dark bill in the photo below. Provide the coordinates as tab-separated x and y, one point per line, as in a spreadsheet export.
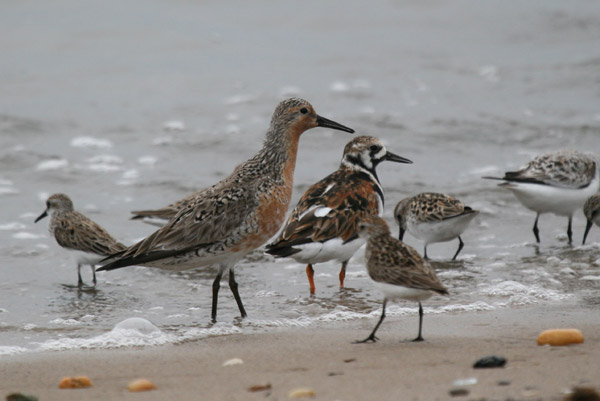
41	216
389	156
327	123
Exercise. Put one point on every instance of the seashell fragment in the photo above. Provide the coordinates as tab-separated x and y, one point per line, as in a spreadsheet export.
233	361
75	382
141	385
301	392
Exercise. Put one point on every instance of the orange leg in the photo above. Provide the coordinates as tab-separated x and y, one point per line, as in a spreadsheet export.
343	274
311	274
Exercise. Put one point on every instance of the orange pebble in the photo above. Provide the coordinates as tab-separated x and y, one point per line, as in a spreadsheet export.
75	382
141	385
560	337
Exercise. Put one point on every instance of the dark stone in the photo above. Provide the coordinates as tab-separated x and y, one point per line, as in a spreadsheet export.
20	397
504	383
458	392
491	361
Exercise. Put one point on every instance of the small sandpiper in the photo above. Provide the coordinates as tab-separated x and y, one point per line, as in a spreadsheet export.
433	217
591	210
397	269
238	214
78	234
323	225
558	182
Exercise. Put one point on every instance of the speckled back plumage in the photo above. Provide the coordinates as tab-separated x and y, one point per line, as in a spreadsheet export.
564	169
429	207
391	261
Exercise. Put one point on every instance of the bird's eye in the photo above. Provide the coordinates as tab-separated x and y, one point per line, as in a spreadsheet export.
304	110
374	148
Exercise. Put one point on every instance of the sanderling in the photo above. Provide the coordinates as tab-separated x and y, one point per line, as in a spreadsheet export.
78	234
236	215
322	227
433	217
558	182
397	269
591	210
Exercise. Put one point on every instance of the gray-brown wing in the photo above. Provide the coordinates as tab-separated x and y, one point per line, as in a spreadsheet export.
169	211
215	215
435	207
78	232
401	264
567	169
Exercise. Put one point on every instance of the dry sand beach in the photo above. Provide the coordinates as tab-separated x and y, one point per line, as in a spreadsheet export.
325	361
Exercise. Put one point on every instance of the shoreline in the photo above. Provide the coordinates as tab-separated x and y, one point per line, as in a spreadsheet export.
326	361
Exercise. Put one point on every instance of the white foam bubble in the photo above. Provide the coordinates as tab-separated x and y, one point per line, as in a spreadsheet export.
147	160
90	142
11	350
174	125
52	164
12	226
8	191
26	235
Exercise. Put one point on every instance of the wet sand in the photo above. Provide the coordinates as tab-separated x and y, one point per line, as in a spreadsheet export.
325	360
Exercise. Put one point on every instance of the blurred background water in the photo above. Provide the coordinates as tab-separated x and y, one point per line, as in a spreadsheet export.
132	105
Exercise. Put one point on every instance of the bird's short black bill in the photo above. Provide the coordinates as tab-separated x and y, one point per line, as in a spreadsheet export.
41	216
327	123
389	156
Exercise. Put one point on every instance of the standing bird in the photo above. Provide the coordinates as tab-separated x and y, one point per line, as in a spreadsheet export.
225	222
323	225
558	182
397	269
433	217
591	210
78	234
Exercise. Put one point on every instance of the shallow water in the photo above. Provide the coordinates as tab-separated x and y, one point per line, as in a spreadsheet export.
136	106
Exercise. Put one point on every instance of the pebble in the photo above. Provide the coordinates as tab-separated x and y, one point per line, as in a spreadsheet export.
491	361
459	392
20	397
259	387
583	394
557	337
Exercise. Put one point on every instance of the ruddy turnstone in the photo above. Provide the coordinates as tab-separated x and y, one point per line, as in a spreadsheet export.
78	234
591	210
322	227
433	217
236	215
397	269
558	182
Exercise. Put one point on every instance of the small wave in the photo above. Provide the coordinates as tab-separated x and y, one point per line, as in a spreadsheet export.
11	350
90	142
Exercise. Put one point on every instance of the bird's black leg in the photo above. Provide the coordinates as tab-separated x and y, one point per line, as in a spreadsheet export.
372	335
536	232
79	281
93	274
234	288
569	230
420	337
460	247
216	285
588	226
